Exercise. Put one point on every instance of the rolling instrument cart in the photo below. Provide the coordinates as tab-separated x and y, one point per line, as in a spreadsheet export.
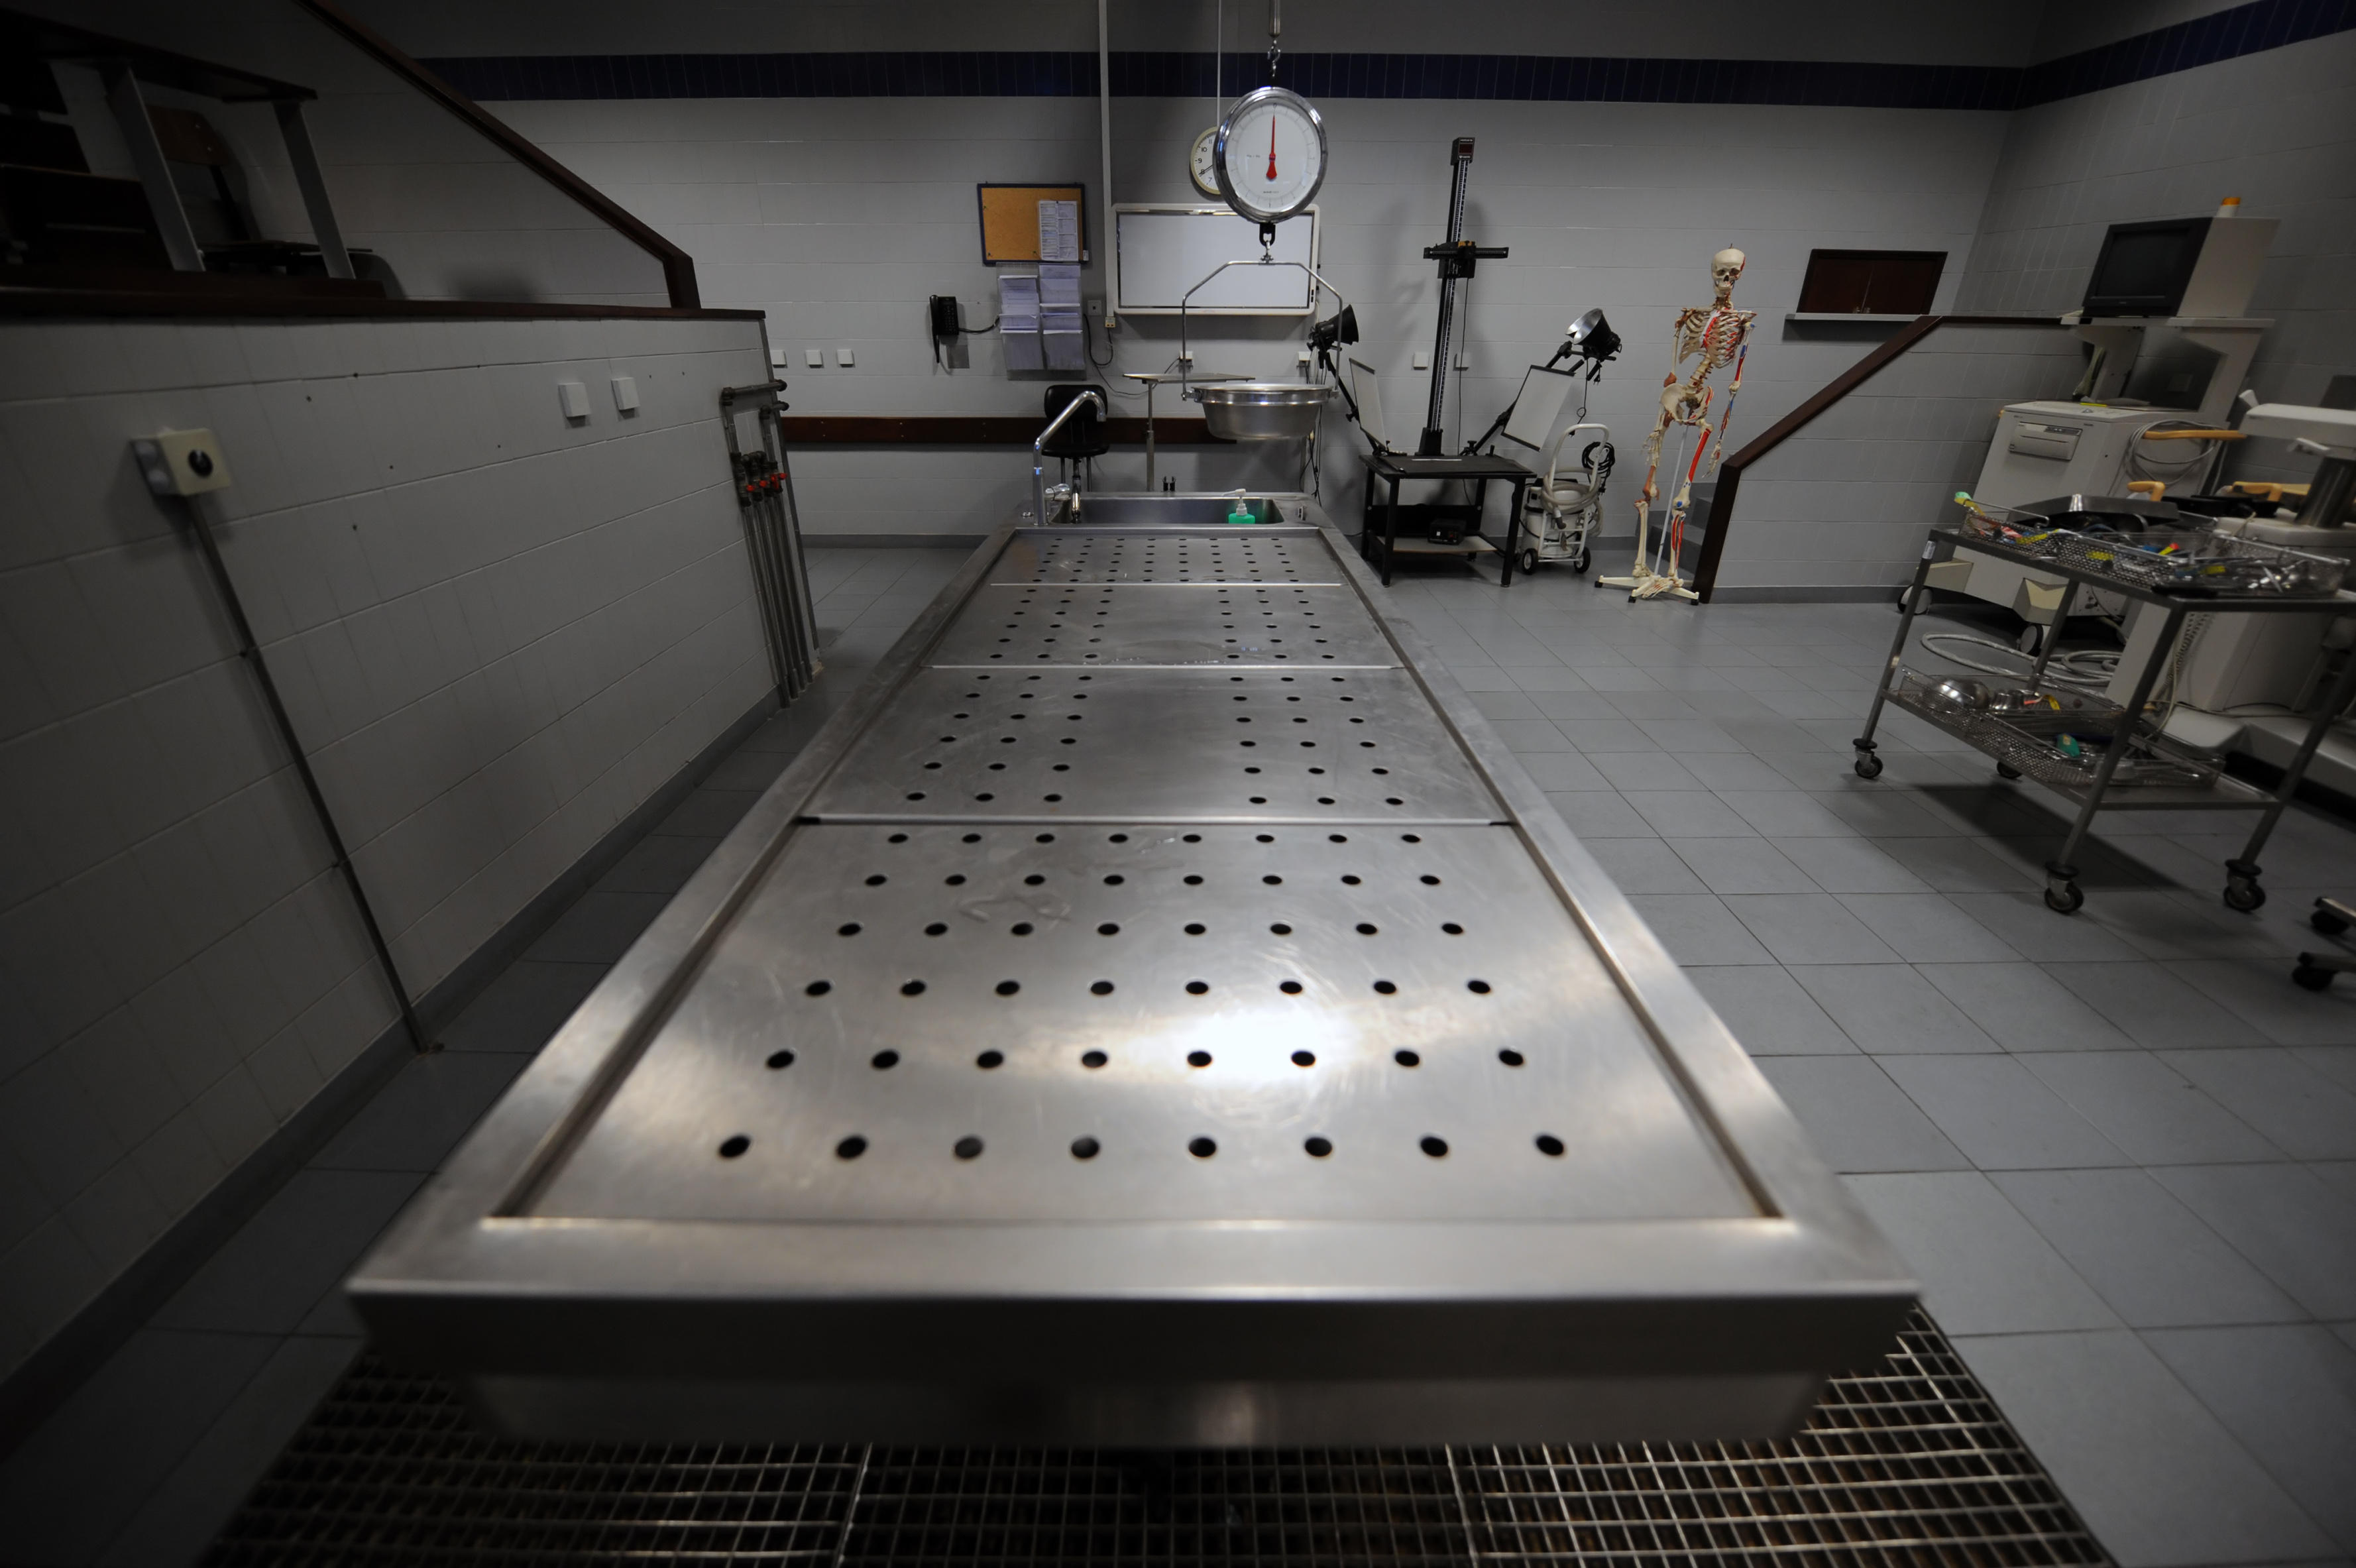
2138	770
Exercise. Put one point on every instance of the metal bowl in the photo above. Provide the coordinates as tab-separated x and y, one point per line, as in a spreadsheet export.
1261	411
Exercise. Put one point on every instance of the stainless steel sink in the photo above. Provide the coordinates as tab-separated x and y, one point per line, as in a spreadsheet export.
1157	508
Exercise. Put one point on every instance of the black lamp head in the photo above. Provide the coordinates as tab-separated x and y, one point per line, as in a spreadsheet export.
1335	329
1591	336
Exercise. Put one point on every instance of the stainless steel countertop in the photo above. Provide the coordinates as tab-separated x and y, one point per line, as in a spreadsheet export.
1155	1010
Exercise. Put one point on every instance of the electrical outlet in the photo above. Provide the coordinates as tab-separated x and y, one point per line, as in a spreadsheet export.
814	358
1094	306
625	394
181	462
780	358
574	398
1462	363
1422	361
845	357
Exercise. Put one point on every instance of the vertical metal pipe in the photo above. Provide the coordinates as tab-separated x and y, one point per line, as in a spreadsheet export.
251	652
122	96
1104	141
314	186
1435	417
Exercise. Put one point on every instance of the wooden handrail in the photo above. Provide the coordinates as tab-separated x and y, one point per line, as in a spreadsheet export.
1729	473
678	266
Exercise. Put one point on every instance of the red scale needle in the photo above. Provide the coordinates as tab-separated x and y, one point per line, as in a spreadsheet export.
1272	147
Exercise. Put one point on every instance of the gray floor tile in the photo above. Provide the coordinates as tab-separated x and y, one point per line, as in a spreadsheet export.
180	1518
1565	771
2298	1109
1605	678
1642	865
659	863
1504	705
2260	992
2285	1219
69	1487
1741	865
1809	928
1636	772
1732	771
1849	865
1546	678
2153	1260
1887	1009
708	814
294	1250
1690	813
1698	929
2149	1109
1584	705
1924	927
2339	1174
1530	735
2153	1007
1958	865
1694	734
521	1008
1594	734
1787	813
2336	1063
2021	917
2185	1492
1481	677
1858	1118
2180	925
755	770
1984	1269
2289	1394
598	928
2022	1008
417	1119
2001	1114
1768	1010
1599	813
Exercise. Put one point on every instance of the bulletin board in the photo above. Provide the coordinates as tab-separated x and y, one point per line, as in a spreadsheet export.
1010	218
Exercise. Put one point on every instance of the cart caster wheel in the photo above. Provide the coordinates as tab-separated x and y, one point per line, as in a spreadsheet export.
2030	635
2313	976
2007	770
1580	565
2066	901
2329	924
1528	565
2244	895
1867	766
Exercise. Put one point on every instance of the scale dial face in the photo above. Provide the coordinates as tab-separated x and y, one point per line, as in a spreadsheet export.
1270	155
1200	165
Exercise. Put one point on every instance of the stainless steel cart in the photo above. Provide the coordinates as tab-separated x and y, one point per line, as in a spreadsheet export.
1155	1011
2091	789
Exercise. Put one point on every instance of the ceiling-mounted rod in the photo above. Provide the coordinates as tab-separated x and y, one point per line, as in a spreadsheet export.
1104	139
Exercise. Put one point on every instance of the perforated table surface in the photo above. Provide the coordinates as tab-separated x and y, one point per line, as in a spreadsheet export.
1155	1011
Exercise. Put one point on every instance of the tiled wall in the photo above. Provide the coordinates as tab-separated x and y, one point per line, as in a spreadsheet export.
497	633
2277	129
838	217
455	216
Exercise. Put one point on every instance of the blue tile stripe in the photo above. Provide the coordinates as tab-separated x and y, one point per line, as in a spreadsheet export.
1545	79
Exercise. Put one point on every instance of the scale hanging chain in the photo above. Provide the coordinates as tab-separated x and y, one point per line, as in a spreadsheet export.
1275	34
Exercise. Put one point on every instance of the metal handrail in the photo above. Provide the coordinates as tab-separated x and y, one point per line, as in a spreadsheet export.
1039	453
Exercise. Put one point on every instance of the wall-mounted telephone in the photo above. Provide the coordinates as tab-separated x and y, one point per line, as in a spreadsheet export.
944	309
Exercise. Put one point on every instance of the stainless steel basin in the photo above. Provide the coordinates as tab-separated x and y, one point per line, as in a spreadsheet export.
1261	411
1155	508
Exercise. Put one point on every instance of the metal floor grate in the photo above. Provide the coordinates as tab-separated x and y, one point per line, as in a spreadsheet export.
1905	1463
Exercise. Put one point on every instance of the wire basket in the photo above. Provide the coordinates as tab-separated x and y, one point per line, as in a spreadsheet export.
2195	561
2056	737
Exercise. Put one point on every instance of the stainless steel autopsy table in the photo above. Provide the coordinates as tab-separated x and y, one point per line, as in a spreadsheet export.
1155	1011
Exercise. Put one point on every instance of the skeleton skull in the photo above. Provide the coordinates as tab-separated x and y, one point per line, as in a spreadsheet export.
1724	268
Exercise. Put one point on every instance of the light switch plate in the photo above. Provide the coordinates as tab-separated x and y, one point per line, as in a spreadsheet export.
574	399
626	393
1422	359
779	358
845	358
181	462
814	358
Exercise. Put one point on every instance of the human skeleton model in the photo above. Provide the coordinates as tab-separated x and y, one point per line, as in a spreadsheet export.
1713	338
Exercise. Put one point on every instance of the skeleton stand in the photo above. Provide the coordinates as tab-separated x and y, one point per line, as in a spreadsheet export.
1646	580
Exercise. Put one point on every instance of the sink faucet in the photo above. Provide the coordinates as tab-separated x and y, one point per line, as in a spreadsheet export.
1039	453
